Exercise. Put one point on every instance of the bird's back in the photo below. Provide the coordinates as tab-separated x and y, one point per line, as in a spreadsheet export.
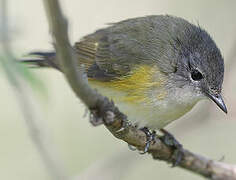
115	50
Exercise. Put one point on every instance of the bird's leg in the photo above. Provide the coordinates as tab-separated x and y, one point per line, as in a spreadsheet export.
170	140
150	135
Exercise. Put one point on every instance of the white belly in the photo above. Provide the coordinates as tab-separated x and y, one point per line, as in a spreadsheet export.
154	117
155	114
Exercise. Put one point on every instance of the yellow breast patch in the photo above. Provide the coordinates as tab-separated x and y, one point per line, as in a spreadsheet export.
137	84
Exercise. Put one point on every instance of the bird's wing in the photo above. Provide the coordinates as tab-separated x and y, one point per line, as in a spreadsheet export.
113	52
102	58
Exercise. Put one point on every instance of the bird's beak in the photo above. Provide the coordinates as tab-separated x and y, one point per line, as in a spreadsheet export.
219	101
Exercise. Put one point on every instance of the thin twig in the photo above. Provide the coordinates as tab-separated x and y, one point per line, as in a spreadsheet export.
114	120
63	47
52	163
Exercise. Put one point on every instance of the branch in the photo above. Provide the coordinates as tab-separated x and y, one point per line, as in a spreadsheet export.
52	163
105	111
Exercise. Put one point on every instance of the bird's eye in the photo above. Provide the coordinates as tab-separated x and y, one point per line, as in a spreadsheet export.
196	75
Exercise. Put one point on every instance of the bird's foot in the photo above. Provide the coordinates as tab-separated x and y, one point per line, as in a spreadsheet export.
150	135
170	141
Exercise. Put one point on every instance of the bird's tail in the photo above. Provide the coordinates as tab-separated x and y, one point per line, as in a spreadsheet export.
42	59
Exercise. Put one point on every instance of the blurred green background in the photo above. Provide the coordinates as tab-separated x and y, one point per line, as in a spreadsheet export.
87	152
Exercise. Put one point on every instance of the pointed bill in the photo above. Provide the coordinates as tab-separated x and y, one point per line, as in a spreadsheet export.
219	101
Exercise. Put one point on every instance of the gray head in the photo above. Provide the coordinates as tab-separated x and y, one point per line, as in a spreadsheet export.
200	63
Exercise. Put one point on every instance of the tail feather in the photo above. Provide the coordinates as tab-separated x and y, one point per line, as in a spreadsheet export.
42	59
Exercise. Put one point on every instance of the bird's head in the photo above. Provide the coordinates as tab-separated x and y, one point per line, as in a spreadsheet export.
200	65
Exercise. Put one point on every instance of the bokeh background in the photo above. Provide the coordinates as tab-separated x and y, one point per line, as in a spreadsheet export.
87	152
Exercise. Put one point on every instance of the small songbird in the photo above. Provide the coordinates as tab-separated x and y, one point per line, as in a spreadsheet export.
155	68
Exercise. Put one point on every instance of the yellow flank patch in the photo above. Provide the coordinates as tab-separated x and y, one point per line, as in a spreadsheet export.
162	94
137	84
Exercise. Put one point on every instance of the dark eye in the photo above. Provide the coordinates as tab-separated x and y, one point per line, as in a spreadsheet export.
196	75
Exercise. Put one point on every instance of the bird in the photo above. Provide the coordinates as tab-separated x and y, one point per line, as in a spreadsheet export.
155	68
